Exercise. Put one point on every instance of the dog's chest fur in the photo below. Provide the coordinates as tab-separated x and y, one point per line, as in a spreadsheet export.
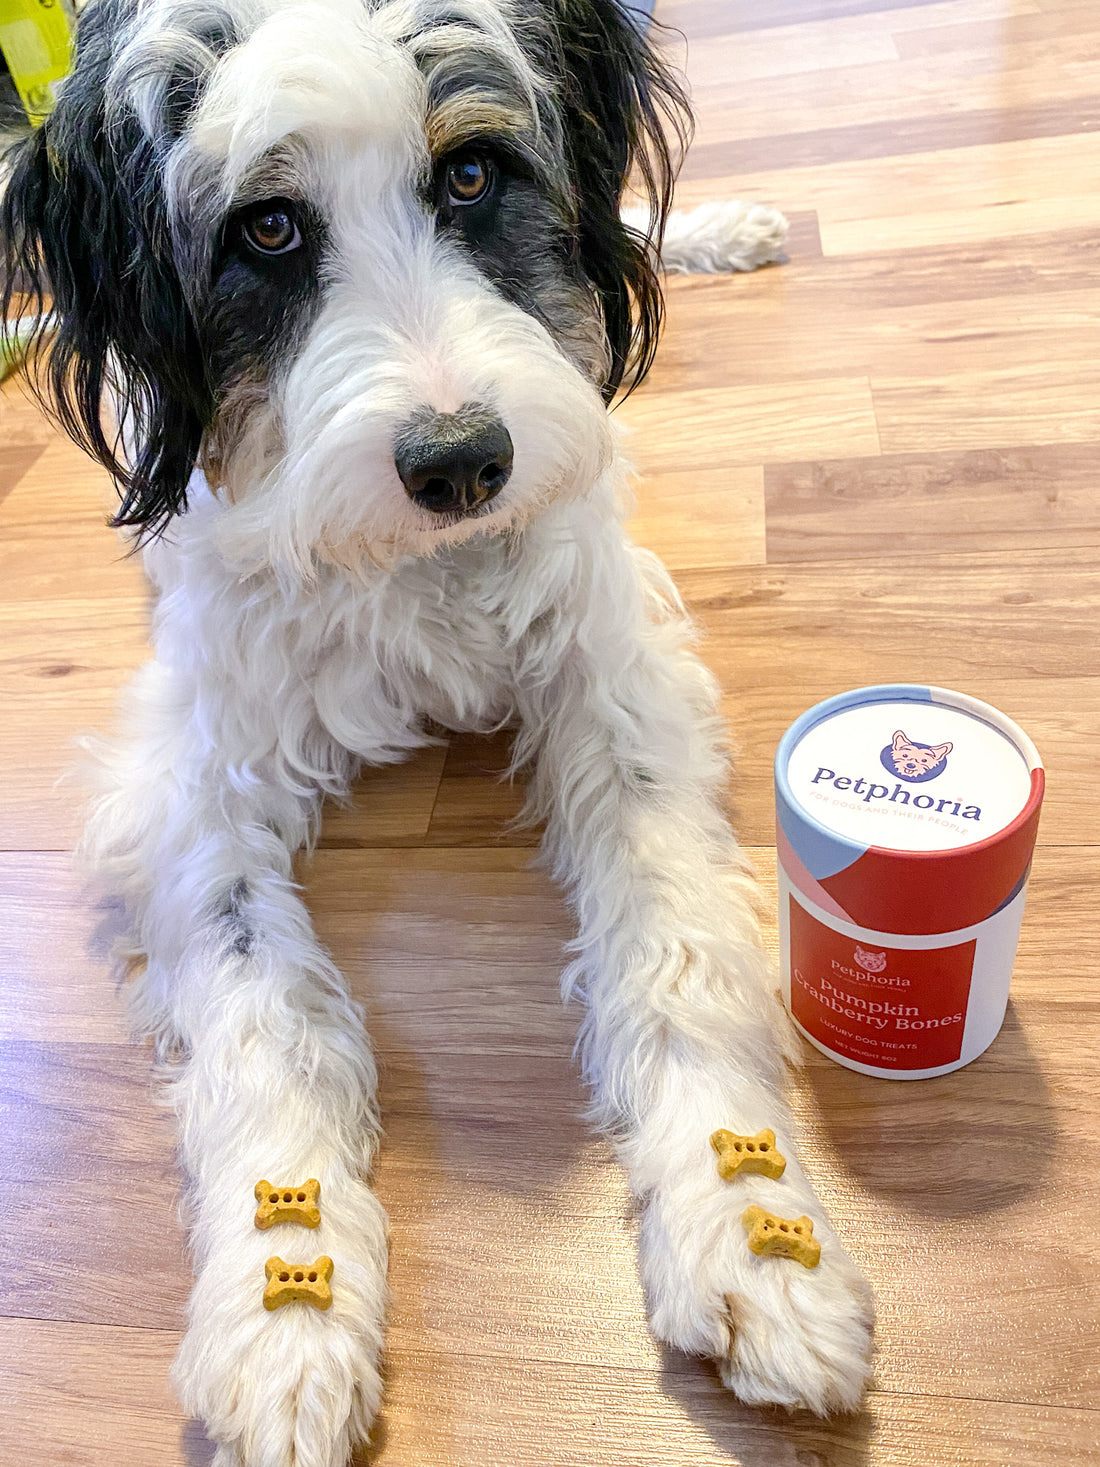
370	659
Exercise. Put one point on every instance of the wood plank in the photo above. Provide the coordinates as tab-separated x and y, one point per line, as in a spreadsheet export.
1063	264
747	424
62	665
711	517
54	540
114	1254
1001	220
788	51
97	1397
933	132
1037	605
822	42
994	499
969	194
984	409
488	920
22	422
819	42
477	803
390	806
56	981
919	341
14	463
675	1414
723	17
987	31
79	1112
949	82
804	235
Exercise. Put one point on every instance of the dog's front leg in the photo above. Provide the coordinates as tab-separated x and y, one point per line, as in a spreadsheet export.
682	1033
271	1078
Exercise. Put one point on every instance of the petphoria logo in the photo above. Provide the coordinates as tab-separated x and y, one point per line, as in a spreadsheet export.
874	794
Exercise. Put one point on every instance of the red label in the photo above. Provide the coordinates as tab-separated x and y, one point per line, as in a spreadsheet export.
894	1008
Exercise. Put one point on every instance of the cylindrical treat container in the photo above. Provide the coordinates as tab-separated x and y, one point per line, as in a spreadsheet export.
906	821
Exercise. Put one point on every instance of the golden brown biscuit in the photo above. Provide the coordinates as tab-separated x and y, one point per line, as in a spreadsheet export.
308	1282
288	1204
782	1236
737	1154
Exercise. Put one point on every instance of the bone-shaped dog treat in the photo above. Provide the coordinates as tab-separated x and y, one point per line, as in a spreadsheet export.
747	1153
738	1154
306	1281
288	1204
782	1236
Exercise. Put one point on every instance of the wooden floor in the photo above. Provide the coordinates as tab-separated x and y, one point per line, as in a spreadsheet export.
878	461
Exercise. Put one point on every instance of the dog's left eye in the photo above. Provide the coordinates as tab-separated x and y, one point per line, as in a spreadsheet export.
271	228
469	178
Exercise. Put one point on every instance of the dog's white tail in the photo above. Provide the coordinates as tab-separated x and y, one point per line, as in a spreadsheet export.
714	238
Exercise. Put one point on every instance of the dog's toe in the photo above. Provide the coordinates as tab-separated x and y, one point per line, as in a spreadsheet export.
797	1350
302	1398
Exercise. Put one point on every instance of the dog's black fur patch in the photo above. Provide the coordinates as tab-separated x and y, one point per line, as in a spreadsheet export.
84	223
623	112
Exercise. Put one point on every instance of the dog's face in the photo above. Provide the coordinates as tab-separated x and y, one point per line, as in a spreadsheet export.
364	263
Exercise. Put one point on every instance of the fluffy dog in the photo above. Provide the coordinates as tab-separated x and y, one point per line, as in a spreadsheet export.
355	278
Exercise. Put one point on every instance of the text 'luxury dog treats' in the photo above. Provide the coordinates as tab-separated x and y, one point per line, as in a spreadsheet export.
906	820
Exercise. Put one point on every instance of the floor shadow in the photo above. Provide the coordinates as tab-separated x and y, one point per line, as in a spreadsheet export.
198	1449
948	1147
762	1436
374	1450
110	939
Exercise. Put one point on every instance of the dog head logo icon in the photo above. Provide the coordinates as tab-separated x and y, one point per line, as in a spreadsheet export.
870	962
914	762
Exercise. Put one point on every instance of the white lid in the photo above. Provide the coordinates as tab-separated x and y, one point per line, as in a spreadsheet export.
909	775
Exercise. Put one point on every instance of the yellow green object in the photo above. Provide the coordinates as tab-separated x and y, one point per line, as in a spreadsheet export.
36	39
15	341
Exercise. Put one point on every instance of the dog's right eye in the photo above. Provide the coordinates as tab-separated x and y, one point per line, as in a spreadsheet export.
271	228
469	178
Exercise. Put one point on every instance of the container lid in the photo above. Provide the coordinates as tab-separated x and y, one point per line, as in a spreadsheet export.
907	809
907	768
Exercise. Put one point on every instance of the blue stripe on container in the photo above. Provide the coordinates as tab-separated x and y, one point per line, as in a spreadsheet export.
822	851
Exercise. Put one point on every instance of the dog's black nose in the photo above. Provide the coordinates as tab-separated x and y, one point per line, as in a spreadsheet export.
452	462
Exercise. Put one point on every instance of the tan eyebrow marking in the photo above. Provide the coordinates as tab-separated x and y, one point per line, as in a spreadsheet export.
467	115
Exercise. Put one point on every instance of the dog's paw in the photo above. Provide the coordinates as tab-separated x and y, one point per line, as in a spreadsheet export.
781	1334
294	1386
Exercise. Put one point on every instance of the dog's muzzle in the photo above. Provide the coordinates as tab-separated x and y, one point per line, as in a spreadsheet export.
452	463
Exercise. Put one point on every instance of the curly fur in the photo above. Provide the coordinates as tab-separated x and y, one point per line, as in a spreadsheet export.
313	615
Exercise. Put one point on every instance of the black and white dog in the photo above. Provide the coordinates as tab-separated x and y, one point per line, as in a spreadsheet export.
354	277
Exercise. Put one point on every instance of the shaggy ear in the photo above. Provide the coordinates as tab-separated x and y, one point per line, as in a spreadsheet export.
84	234
626	116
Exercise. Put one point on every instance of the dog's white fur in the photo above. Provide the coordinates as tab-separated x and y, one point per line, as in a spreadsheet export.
309	619
255	706
719	236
